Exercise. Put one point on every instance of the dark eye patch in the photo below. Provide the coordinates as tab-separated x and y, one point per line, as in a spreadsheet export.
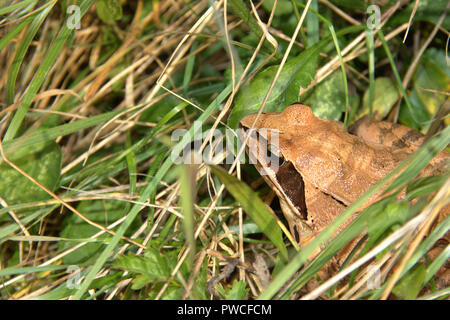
293	186
289	179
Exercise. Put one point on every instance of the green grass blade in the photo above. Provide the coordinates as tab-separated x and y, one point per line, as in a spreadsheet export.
131	163
344	74
397	76
151	172
22	49
316	13
26	270
42	136
371	52
14	32
254	207
239	7
187	178
39	77
312	24
50	239
437	295
427	244
32	217
15	6
189	69
437	264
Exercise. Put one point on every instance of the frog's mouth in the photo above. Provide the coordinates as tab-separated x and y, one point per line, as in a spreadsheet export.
284	179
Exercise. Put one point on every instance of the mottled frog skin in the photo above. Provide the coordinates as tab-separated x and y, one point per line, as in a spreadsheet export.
325	169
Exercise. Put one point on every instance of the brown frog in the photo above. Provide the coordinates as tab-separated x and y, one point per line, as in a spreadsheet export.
324	169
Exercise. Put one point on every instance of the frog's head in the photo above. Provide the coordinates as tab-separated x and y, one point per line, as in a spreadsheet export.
295	115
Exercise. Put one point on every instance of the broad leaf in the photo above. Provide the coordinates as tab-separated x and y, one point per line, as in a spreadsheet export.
327	101
351	4
237	291
409	286
42	161
432	73
385	96
297	72
427	10
109	10
283	7
102	212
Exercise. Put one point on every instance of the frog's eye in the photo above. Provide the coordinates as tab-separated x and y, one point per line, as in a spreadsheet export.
272	151
283	162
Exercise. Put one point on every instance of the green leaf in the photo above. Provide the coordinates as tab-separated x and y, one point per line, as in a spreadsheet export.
385	96
427	10
396	73
240	9
283	7
423	248
14	32
153	268
351	4
131	164
237	292
42	162
63	291
171	293
109	10
296	73
6	9
153	265
140	281
327	101
301	79
102	212
432	73
437	263
254	207
424	186
371	62
380	220
420	113
409	286
312	24
344	74
429	242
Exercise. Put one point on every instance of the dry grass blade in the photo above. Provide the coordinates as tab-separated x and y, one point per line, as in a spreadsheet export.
413	12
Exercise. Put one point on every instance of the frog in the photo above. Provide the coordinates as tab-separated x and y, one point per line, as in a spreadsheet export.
323	168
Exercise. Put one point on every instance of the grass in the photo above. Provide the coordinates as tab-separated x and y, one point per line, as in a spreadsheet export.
95	205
